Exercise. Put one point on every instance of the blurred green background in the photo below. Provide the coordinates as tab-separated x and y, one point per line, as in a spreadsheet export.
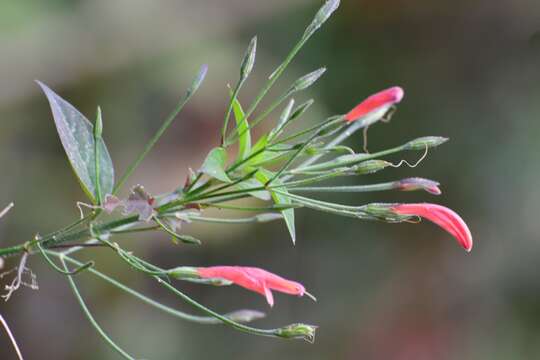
470	70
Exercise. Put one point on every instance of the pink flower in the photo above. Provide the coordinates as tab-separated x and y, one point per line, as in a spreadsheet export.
254	279
385	98
416	183
442	216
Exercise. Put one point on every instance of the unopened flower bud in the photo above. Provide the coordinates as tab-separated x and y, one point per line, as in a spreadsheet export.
298	331
370	167
416	183
322	15
249	59
379	102
199	78
307	80
425	142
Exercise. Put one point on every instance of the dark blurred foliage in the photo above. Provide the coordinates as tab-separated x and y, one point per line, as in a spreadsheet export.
470	72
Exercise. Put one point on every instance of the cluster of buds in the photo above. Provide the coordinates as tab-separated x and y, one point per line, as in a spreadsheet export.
273	169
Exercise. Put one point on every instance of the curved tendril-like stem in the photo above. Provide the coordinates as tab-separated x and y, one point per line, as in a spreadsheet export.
79	269
89	315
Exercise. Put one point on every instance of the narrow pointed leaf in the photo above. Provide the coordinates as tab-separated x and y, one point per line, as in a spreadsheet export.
244	141
77	137
215	163
283	119
288	215
300	109
259	145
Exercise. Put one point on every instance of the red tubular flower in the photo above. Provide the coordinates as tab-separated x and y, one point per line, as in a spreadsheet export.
442	216
254	279
385	98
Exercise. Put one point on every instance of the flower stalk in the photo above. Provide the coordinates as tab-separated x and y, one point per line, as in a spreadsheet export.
274	170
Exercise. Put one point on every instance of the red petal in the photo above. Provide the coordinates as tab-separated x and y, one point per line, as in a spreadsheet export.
442	216
386	97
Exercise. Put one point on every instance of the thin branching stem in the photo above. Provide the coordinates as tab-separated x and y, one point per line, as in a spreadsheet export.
11	337
89	315
138	295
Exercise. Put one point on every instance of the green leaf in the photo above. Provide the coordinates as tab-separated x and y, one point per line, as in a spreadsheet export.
244	141
259	145
215	163
263	176
254	183
77	136
270	157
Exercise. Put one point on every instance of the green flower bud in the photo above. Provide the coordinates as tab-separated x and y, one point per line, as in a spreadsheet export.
370	167
249	59
425	142
298	331
307	80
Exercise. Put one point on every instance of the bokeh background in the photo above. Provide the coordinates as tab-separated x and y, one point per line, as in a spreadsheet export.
470	70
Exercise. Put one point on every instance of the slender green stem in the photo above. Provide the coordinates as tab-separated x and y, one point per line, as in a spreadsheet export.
183	238
65	237
350	189
192	184
153	141
271	81
255	208
231	184
79	269
129	231
90	317
258	119
333	164
234	95
322	127
140	296
246	220
224	319
314	179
